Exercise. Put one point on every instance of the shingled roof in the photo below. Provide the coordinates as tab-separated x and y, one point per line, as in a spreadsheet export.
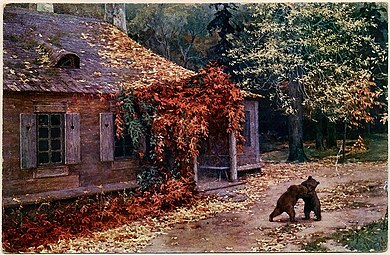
35	44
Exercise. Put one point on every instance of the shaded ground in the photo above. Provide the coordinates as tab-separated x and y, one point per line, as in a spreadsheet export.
237	218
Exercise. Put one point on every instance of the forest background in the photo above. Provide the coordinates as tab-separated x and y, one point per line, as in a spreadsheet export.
321	67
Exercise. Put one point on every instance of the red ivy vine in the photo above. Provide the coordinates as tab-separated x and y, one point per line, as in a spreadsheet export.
176	116
184	113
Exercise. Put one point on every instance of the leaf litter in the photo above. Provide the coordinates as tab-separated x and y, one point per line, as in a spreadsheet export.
136	236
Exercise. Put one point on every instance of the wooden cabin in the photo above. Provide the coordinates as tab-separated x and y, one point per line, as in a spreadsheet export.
58	133
58	130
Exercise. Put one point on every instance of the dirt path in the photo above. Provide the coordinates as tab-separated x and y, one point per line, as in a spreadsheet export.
352	195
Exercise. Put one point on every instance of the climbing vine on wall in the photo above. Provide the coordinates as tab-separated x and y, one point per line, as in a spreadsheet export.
176	116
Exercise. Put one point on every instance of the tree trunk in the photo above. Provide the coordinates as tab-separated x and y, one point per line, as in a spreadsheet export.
295	120
319	135
331	140
41	7
344	140
368	128
32	7
115	14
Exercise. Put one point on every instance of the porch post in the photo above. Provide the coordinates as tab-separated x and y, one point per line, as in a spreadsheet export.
196	170
233	157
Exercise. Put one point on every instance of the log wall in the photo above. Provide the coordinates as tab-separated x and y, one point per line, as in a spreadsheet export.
90	171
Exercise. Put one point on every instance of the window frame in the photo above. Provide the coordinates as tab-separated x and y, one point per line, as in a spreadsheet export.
28	137
123	146
49	139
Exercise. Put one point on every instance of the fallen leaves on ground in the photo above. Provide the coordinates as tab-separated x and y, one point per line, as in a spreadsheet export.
137	235
348	194
278	238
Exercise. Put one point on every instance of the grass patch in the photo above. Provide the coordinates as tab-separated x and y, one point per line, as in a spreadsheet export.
377	149
369	238
313	153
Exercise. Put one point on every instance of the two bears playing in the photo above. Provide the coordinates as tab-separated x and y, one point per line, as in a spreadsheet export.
306	191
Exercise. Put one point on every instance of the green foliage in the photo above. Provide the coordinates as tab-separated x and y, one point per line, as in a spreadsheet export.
150	179
134	118
175	31
222	24
85	10
377	149
372	237
328	40
369	238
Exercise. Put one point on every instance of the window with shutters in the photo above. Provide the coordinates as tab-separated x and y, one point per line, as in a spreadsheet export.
111	147
50	138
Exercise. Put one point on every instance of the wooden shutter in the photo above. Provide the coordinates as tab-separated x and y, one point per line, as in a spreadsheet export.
247	129
106	136
28	141
72	138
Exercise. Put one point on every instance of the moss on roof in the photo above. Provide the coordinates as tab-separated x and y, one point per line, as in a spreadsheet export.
108	57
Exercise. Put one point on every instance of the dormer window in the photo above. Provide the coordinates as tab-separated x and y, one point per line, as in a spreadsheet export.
59	57
68	61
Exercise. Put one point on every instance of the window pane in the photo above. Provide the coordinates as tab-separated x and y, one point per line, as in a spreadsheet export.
128	151
56	157
127	140
43	145
43	132
247	129
55	119
118	152
123	146
50	135
43	120
43	157
118	142
55	144
55	132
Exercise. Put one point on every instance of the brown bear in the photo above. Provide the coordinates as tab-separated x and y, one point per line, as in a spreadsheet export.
287	201
312	202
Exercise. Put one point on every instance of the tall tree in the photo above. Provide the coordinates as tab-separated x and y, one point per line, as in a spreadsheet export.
295	118
377	15
223	25
192	37
328	41
176	31
115	14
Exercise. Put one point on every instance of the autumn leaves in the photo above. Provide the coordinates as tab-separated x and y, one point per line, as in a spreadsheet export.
178	115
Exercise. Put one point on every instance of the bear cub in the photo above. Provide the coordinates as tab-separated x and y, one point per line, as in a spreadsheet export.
312	202
287	201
